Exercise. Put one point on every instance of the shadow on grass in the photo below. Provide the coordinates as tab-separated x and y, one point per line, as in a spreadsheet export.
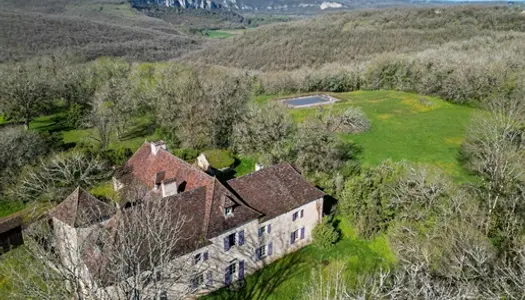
140	130
262	284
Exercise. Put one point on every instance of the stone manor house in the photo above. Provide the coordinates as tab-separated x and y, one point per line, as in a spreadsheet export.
235	226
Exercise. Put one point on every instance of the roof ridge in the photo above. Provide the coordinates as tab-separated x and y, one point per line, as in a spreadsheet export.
261	170
236	194
206	175
207	206
76	192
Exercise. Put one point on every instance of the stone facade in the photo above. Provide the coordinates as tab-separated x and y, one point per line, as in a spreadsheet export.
234	228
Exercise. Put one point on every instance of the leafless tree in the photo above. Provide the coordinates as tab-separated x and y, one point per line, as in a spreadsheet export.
352	120
495	147
133	254
23	91
55	177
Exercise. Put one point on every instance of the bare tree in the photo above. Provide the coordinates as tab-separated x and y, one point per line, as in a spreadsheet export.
54	178
143	260
352	120
495	148
23	91
268	130
133	254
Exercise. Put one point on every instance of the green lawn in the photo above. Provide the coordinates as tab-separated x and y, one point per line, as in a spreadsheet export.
139	129
287	277
404	126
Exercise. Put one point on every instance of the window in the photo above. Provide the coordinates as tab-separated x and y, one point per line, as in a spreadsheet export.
228	211
294	236
262	230
197	258
302	213
231	274
197	280
295	216
232	268
262	251
232	239
163	295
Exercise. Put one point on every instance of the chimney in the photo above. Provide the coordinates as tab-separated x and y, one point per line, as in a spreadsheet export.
169	187
159	178
156	146
258	166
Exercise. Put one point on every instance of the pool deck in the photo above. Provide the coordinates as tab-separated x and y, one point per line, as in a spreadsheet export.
322	100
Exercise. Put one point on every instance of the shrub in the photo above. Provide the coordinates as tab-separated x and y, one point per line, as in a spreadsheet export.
325	234
118	157
187	154
219	159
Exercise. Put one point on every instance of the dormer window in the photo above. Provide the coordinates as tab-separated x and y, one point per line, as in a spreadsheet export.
228	211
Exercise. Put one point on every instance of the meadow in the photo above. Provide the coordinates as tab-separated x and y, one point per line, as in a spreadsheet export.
404	126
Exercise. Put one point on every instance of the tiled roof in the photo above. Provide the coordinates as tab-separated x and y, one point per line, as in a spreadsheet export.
275	190
183	213
81	209
263	194
9	223
144	165
222	198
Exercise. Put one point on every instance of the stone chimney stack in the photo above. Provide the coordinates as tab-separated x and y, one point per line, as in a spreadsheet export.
156	146
169	187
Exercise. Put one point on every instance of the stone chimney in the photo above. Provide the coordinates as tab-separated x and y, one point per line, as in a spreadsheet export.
159	178
169	187
258	166
156	146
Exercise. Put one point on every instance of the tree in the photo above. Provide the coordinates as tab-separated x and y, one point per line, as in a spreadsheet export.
24	91
268	130
319	150
228	98
57	176
182	109
132	256
114	104
325	235
352	120
19	148
495	149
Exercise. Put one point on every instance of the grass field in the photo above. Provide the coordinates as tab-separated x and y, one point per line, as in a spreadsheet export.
404	126
287	277
139	130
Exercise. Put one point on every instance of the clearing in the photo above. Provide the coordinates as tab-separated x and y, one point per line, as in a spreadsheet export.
404	126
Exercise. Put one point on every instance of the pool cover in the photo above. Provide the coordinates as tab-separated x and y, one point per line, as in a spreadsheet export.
309	101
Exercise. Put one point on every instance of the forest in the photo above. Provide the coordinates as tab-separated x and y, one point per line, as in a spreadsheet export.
423	157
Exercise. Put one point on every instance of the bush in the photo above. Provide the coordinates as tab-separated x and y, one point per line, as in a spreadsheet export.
186	154
75	116
325	234
219	159
118	157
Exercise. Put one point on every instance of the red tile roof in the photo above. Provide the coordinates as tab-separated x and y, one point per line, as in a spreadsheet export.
263	194
144	165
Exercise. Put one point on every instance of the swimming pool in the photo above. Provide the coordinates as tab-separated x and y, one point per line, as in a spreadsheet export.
308	101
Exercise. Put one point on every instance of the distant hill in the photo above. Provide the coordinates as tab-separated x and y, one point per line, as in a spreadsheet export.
359	36
90	28
296	6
